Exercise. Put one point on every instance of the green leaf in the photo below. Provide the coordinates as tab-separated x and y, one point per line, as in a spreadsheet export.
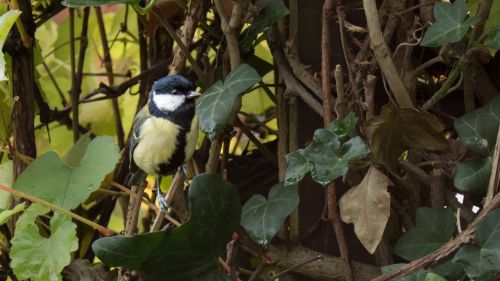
6	179
51	179
263	217
482	260
419	275
478	129
434	277
274	10
395	130
77	151
331	162
473	175
493	39
297	167
476	262
37	257
434	228
450	269
190	251
7	20
215	105
6	214
451	24
327	158
345	127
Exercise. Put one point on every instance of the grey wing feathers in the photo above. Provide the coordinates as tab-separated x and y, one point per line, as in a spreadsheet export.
138	176
141	116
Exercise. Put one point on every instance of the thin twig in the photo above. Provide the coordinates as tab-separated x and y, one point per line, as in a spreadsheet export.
345	48
263	149
108	64
150	205
369	86
134	206
445	89
382	54
333	215
419	69
64	102
103	230
74	93
293	268
495	172
291	82
341	106
188	29
171	31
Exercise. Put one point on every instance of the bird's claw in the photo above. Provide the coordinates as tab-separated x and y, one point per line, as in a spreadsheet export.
164	206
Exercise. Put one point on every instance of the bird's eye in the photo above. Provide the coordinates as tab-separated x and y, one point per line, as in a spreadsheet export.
174	92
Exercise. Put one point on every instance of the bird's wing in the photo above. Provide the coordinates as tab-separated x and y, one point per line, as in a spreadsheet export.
139	119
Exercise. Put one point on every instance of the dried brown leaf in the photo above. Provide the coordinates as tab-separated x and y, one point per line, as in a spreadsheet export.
395	130
367	206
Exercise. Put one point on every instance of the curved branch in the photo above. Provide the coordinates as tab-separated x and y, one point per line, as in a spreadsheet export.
383	56
446	251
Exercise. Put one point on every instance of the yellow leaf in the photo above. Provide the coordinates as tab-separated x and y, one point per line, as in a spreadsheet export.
367	206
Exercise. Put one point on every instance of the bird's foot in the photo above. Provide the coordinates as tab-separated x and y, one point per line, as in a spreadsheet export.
164	206
182	169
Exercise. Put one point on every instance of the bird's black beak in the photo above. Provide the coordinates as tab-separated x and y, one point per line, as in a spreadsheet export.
193	95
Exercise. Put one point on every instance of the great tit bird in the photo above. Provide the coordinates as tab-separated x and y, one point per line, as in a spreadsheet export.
165	131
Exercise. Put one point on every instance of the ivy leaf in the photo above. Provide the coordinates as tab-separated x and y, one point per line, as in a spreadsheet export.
431	276
263	217
434	228
7	20
367	206
482	260
6	179
330	161
68	184
187	252
273	10
344	128
297	167
493	39
396	130
215	105
419	275
39	258
6	214
451	24
473	175
476	262
327	158
478	129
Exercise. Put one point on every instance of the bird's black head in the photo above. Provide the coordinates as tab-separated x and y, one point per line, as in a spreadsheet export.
173	84
172	97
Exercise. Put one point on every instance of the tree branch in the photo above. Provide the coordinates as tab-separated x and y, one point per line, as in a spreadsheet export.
383	56
446	251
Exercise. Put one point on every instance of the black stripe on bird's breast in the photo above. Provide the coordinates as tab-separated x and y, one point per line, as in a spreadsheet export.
177	158
182	116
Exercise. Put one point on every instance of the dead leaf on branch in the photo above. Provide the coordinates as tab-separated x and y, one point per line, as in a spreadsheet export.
395	130
367	206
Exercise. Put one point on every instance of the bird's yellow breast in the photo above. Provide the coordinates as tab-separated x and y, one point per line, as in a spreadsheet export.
156	145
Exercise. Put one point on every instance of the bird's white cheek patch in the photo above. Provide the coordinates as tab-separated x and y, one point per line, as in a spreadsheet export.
166	102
